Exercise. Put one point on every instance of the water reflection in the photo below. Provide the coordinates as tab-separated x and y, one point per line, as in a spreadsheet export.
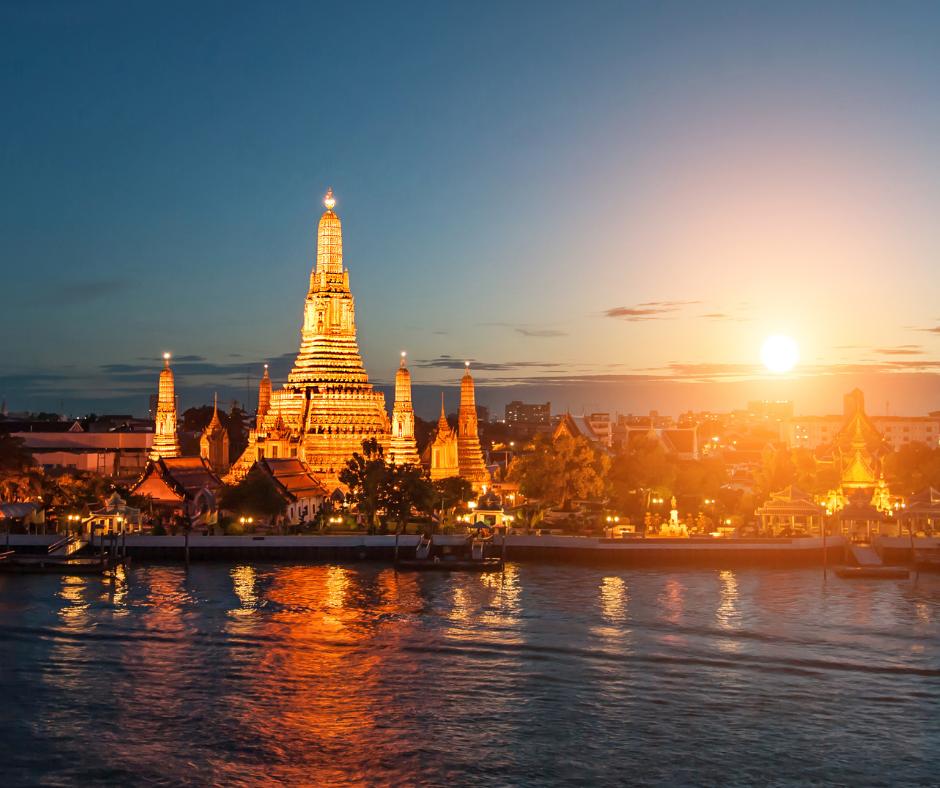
341	675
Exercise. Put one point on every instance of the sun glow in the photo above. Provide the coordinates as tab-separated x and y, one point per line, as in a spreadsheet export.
779	353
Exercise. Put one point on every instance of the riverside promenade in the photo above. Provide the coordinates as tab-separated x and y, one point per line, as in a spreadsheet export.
353	548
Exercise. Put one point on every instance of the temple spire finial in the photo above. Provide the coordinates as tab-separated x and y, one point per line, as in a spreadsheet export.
166	359
329	201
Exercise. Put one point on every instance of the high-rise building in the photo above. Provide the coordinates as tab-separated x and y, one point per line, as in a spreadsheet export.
526	414
403	449
166	444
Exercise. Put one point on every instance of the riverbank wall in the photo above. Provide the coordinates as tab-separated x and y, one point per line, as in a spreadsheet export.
353	548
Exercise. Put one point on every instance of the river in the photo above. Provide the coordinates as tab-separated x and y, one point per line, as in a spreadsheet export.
335	675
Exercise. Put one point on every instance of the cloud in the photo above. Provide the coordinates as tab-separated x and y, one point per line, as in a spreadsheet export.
900	350
540	332
449	362
648	310
717	316
934	330
527	329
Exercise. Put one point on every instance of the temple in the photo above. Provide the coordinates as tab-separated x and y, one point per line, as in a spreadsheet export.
264	395
469	452
403	448
213	443
327	408
166	444
444	463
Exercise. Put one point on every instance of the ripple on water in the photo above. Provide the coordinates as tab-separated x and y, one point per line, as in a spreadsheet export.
340	675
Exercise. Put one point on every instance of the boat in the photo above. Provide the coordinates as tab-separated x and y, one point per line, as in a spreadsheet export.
873	572
427	560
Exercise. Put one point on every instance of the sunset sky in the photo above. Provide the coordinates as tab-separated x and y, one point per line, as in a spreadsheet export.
609	205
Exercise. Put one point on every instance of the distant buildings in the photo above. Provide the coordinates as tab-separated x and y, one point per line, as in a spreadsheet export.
811	432
525	414
110	445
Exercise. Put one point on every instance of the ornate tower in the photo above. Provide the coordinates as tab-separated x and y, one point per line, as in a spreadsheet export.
327	408
165	442
213	443
469	453
264	395
403	449
444	462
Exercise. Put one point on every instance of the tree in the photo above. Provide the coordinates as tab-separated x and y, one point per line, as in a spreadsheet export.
20	478
256	495
561	470
365	475
405	488
452	491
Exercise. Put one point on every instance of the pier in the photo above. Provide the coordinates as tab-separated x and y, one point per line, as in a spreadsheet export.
354	548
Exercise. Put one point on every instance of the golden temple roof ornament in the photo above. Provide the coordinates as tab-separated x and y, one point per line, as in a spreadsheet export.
166	359
329	201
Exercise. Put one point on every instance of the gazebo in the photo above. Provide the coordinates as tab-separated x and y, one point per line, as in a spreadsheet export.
116	517
922	512
859	520
791	511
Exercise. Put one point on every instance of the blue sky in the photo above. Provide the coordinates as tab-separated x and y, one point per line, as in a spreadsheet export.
605	204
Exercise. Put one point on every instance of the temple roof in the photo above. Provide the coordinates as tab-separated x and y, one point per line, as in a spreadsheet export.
292	478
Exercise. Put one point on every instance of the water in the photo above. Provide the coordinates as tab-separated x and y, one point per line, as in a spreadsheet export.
255	674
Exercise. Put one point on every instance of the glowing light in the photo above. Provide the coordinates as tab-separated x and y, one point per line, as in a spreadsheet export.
779	353
329	201
166	356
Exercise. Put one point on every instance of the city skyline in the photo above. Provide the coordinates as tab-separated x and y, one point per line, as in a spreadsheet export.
609	227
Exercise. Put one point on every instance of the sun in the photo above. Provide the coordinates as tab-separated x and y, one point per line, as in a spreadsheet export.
779	353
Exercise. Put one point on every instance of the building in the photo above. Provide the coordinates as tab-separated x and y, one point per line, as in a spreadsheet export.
173	484
790	512
166	443
525	414
119	454
327	408
444	453
303	495
569	426
403	448
115	517
812	432
213	443
264	396
469	451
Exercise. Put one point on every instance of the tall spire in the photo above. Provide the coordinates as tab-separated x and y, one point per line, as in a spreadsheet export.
213	443
264	395
444	463
165	441
469	452
329	238
403	449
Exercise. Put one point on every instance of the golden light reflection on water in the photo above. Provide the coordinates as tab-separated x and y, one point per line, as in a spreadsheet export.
326	680
728	614
115	591
613	597
244	580
72	591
